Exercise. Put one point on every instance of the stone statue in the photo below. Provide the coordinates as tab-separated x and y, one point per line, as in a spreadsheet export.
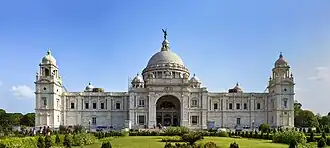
165	33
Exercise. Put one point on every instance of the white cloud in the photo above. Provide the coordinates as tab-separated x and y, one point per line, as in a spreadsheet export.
22	92
321	74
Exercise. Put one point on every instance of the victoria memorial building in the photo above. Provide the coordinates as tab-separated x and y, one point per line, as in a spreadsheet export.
165	93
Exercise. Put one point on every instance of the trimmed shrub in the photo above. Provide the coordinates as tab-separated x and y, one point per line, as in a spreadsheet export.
41	142
222	134
57	140
176	131
311	137
25	142
106	145
293	144
210	144
287	136
191	138
48	142
233	145
172	139
321	143
67	141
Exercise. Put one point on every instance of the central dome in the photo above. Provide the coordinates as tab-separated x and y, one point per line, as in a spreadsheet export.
165	56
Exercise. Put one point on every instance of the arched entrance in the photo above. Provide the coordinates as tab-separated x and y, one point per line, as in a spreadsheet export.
168	109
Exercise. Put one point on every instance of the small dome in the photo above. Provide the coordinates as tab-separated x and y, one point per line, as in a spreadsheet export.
281	61
138	79
89	87
236	89
48	58
194	79
165	56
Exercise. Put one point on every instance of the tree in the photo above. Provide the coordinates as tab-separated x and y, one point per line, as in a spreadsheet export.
264	128
57	140
306	118
28	119
14	118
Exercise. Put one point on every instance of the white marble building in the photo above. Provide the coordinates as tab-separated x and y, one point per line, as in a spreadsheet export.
165	93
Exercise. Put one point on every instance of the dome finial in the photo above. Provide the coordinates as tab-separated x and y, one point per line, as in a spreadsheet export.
281	55
89	83
137	74
49	52
237	84
165	44
165	33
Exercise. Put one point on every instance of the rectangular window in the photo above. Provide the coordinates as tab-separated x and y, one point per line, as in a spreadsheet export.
57	103
245	106
258	106
94	121
141	103
72	106
230	106
215	106
238	121
86	105
117	105
238	106
141	119
194	103
194	120
44	101
58	118
94	105
285	103
102	105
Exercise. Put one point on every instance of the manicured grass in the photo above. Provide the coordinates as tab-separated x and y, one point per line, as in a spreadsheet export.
154	142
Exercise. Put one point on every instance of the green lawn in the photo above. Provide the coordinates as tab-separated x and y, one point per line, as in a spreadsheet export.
154	142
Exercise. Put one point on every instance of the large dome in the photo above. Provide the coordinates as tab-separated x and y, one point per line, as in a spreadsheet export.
165	56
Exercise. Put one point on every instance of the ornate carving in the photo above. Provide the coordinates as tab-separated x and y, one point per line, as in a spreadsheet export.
151	75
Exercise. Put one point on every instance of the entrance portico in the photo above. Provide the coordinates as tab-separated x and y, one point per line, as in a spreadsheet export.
168	111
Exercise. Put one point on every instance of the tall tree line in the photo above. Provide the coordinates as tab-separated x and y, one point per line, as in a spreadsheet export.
8	120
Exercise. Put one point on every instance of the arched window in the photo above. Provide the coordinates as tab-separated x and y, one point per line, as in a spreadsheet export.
47	73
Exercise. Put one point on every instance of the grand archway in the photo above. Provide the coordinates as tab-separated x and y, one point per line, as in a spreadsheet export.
168	111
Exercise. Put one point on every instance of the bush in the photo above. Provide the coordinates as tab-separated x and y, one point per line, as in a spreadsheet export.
210	144
25	142
264	128
67	141
192	137
328	141
222	134
41	142
321	143
48	142
233	145
106	145
287	136
83	139
176	131
311	137
172	139
293	144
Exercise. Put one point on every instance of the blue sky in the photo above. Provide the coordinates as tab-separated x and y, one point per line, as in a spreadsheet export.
221	41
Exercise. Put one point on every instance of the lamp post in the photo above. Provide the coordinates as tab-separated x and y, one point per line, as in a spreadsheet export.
252	125
89	125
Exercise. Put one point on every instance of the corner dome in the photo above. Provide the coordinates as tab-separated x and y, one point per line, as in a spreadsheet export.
194	79
236	89
48	58
137	79
281	61
165	56
89	87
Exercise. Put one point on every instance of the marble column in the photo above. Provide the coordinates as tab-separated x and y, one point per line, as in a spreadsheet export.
152	111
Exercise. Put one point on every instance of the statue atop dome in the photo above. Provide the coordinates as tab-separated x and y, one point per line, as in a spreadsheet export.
165	33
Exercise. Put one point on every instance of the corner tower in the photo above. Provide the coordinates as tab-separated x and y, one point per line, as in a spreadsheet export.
281	95
48	93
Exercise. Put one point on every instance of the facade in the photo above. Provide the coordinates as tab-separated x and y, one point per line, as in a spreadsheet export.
165	93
